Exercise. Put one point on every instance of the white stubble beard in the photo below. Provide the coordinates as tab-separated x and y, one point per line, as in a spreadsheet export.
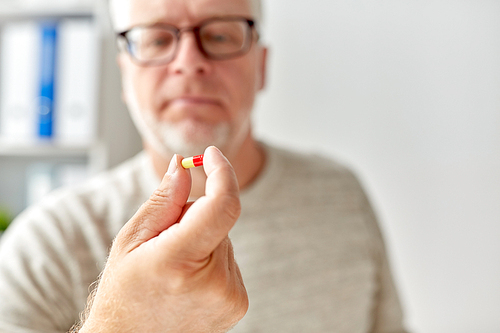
168	139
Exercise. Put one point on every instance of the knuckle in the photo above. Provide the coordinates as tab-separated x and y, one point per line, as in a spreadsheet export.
127	236
160	197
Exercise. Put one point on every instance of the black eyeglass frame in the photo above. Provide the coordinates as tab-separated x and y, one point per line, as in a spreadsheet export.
252	35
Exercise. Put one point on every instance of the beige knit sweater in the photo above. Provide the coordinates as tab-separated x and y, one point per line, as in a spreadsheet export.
307	244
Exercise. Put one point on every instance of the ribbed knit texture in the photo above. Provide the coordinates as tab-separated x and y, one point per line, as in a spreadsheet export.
307	243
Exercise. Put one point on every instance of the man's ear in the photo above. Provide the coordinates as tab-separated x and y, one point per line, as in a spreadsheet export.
263	67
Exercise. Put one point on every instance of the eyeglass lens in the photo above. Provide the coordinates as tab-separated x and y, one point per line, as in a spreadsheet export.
218	39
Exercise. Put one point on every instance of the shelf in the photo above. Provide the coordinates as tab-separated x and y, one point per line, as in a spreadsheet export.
15	13
115	138
42	151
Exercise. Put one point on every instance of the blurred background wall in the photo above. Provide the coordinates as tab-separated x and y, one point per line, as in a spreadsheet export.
407	93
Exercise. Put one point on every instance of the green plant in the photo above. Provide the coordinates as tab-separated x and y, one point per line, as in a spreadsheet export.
5	219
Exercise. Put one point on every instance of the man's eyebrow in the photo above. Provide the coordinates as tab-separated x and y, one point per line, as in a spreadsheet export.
158	23
154	22
163	21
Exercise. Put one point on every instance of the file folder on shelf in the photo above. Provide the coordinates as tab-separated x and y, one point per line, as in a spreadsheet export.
48	76
76	109
19	82
47	70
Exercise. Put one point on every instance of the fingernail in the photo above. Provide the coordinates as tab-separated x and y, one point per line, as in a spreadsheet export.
217	150
172	167
214	147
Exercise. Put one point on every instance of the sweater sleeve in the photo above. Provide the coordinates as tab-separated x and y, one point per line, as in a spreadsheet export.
388	316
55	250
387	310
36	275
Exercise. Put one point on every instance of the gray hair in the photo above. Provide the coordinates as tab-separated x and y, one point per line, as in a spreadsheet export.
120	12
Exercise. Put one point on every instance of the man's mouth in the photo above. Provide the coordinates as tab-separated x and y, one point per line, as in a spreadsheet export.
187	101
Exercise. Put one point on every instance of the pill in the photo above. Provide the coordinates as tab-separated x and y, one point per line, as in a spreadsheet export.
191	162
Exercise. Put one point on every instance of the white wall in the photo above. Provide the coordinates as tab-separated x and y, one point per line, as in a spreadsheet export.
408	94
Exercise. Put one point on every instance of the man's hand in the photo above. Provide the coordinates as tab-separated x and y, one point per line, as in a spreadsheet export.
172	269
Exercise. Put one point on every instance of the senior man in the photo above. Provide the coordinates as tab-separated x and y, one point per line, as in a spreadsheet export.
310	253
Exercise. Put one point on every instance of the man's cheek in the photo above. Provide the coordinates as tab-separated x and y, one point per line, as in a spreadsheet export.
145	96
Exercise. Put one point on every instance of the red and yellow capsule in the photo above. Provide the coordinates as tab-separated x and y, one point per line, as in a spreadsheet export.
191	162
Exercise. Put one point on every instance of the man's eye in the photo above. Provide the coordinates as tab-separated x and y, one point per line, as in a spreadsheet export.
159	42
219	38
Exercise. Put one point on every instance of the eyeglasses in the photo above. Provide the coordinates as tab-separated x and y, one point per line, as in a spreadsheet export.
217	39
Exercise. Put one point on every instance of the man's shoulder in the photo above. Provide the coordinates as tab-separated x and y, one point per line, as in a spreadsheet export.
135	174
126	178
309	164
111	196
294	176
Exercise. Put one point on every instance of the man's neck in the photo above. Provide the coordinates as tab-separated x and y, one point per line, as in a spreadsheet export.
248	161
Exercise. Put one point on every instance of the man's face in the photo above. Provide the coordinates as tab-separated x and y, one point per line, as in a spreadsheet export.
192	102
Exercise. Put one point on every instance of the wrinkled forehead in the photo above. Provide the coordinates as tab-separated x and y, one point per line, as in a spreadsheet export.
126	13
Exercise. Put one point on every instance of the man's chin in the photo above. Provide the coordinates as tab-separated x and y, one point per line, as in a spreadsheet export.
192	140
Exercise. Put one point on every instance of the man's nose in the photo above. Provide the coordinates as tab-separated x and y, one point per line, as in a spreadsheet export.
189	58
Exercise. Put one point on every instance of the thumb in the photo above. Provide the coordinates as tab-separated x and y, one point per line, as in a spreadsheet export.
160	211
